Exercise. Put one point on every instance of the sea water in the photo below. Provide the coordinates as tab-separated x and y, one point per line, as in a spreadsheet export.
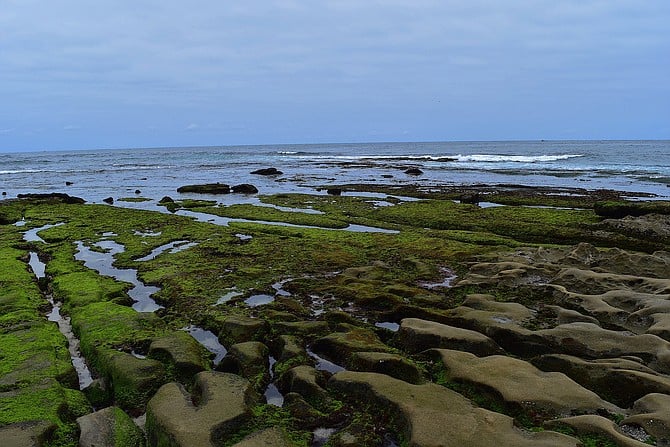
634	166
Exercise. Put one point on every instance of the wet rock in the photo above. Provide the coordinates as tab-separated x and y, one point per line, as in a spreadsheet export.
432	415
591	424
53	197
301	328
267	171
182	352
304	380
219	405
300	409
109	427
244	188
334	191
238	328
137	191
623	381
109	200
652	412
393	365
250	360
290	347
166	199
27	434
413	171
207	188
340	346
98	393
270	437
417	335
519	383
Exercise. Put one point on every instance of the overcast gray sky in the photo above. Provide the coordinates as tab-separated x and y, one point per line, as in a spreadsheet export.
80	74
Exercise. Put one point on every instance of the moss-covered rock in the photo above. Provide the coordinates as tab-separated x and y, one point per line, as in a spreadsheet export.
182	353
109	427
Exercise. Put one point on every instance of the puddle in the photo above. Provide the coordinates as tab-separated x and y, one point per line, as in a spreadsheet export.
146	233
209	341
225	221
64	326
279	290
321	436
173	247
243	237
272	394
232	293
102	263
31	235
323	364
317	306
259	300
502	320
137	355
20	223
449	278
388	325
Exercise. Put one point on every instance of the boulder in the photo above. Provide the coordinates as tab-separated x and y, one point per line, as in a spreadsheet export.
308	416
220	404
432	415
109	200
417	335
303	380
133	380
207	188
109	427
238	328
521	384
166	199
290	347
244	188
267	171
652	412
182	352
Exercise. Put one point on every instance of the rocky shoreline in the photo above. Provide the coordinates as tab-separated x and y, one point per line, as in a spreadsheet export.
379	316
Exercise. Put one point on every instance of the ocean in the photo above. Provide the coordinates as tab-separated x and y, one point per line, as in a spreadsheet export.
633	166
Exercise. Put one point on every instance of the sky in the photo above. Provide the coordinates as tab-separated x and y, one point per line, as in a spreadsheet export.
77	74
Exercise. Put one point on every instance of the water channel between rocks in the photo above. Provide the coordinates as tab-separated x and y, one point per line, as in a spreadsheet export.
102	262
39	269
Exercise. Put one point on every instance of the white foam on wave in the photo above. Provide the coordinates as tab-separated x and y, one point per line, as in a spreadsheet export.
490	158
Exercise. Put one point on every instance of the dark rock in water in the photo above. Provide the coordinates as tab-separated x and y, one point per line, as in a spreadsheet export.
207	188
413	171
4	193
53	197
244	188
267	171
167	199
137	191
387	176
109	200
68	183
472	199
334	191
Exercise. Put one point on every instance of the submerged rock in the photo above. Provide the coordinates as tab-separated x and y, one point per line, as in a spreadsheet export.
267	171
244	188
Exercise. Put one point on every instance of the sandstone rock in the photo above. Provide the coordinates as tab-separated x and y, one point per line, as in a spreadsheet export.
207	188
300	409
591	282
304	380
270	437
182	351
238	328
109	427
133	380
301	328
26	434
290	347
623	381
592	424
339	346
219	405
431	415
248	359
390	364
522	384
652	412
417	335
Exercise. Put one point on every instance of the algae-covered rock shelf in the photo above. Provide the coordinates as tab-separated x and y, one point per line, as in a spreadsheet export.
380	318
